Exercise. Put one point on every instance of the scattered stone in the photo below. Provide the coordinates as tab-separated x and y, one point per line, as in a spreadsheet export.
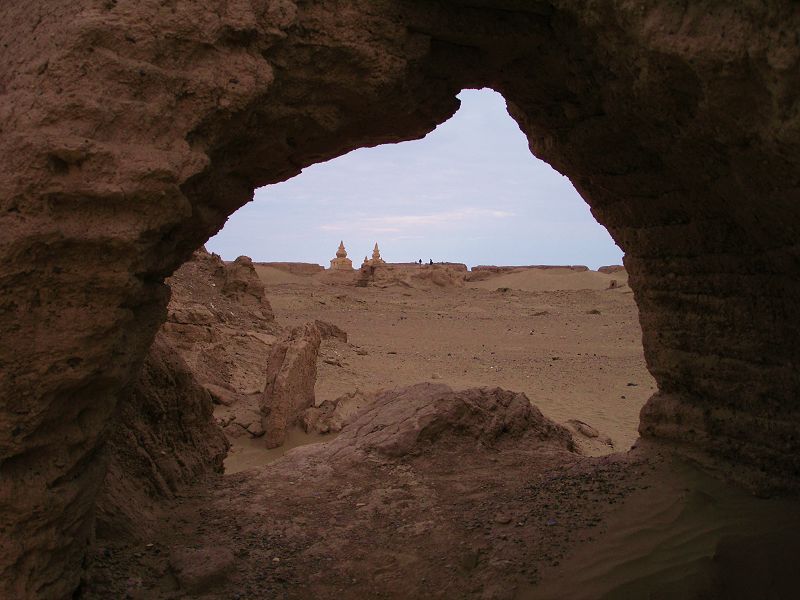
255	429
584	428
221	395
332	416
330	331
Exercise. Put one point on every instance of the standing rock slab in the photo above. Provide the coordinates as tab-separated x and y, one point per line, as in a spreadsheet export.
291	375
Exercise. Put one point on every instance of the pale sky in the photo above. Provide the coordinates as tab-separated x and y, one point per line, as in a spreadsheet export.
469	192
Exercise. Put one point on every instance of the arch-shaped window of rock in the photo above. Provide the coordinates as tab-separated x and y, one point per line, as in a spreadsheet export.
565	334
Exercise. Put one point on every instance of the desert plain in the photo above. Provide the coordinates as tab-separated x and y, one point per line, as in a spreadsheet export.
563	336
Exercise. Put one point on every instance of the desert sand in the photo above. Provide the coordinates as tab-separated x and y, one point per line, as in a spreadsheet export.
562	337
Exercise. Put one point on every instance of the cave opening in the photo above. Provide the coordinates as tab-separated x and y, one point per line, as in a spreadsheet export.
518	301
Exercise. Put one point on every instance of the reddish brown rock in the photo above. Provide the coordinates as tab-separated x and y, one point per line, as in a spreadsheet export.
242	284
132	130
416	419
221	323
163	437
332	415
291	375
584	429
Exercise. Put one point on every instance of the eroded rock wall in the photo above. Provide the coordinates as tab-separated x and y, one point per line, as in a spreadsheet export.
163	437
131	130
221	323
697	181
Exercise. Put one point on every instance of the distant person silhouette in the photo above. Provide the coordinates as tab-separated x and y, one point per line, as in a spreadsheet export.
430	261
420	261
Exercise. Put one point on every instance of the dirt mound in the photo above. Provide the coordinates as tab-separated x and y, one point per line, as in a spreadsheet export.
413	276
514	268
413	419
164	436
470	491
295	268
610	269
242	284
484	272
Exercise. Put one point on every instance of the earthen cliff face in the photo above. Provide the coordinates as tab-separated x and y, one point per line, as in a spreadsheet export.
163	437
131	130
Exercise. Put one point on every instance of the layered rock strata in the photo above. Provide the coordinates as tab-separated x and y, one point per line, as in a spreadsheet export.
221	323
164	437
132	130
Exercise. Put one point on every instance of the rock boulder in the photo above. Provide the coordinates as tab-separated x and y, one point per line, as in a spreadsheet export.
290	380
411	420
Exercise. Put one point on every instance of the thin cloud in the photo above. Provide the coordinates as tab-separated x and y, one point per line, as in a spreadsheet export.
469	192
400	223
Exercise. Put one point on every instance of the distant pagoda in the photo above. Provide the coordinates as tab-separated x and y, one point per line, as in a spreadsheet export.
376	258
341	262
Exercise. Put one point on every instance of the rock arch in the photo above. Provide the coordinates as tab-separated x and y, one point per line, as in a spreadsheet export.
131	130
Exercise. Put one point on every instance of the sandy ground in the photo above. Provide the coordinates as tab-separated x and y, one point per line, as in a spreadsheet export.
572	345
454	518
